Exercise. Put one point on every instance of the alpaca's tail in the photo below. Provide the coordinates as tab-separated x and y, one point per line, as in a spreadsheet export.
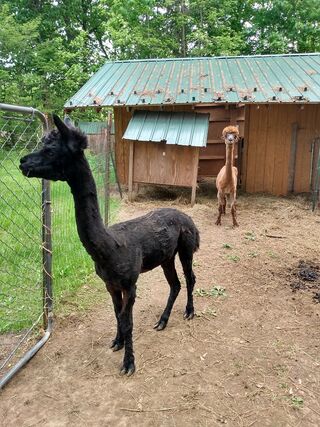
189	236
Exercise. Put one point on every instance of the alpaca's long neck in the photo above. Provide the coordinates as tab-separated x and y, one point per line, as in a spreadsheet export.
92	232
229	159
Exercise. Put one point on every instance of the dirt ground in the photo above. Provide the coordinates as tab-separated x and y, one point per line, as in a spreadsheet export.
250	357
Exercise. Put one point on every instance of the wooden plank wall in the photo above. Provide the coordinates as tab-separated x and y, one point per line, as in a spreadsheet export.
164	164
268	147
121	120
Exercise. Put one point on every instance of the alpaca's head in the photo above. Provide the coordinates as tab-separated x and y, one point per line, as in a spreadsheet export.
62	148
230	134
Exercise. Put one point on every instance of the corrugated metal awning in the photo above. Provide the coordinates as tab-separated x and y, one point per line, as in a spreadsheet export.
234	79
184	128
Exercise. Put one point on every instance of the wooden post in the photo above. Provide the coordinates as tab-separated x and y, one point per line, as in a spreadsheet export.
195	175
244	155
107	148
293	155
130	177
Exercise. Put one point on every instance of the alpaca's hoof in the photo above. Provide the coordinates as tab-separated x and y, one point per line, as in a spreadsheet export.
128	368
218	222
116	345
235	224
159	326
188	315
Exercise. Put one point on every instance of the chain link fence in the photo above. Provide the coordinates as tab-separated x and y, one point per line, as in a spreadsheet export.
25	238
25	250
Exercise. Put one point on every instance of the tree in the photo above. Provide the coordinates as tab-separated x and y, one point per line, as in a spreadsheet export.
48	49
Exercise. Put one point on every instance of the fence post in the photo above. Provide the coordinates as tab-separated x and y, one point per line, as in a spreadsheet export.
46	253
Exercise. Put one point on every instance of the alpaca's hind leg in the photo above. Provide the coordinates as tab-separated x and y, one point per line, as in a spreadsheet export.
172	278
224	205
126	326
234	209
118	342
186	261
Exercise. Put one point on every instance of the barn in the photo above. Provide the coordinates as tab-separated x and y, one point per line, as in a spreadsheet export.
169	115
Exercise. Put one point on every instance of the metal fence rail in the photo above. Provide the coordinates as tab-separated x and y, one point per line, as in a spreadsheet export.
25	243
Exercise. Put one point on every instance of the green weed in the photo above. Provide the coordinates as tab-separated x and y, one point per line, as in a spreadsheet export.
296	402
250	236
226	246
233	258
216	291
253	254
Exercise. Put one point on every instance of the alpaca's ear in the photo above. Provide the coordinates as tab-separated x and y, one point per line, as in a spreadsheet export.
74	138
62	127
68	122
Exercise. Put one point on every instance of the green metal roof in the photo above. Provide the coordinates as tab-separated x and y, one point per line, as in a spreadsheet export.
184	128
247	79
93	128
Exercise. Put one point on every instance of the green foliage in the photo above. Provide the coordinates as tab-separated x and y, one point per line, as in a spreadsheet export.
48	50
233	258
216	291
226	246
296	402
249	235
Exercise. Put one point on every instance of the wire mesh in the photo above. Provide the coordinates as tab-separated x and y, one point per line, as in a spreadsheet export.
21	261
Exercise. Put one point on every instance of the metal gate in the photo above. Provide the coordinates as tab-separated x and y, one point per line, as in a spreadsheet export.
25	243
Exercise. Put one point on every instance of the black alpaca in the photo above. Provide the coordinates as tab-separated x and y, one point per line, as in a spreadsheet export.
123	251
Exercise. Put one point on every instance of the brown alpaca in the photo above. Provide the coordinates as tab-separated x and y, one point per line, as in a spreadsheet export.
227	177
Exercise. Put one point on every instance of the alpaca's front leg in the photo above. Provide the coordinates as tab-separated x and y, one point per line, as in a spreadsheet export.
126	326
221	209
118	342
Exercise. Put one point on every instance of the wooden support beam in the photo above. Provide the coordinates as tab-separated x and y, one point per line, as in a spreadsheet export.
130	175
244	156
107	150
195	175
293	156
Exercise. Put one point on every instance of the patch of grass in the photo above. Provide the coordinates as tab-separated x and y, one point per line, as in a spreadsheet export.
253	254
226	246
249	235
234	258
82	298
209	312
296	402
216	291
272	255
